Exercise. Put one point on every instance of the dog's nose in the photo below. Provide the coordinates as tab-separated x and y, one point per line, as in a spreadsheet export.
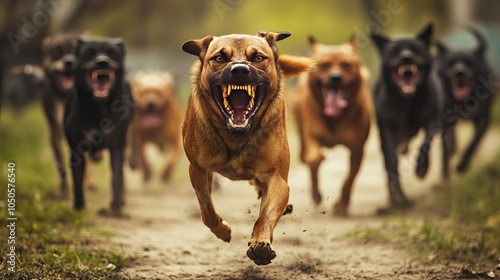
68	64
240	70
336	78
102	60
407	57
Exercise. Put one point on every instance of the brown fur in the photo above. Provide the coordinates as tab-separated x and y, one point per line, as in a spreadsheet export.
316	129
261	154
155	95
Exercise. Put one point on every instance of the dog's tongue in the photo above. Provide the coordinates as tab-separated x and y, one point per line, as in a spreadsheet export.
334	104
460	90
239	103
149	121
67	81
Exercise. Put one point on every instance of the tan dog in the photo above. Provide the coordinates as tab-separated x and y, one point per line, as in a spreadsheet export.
157	120
235	126
332	106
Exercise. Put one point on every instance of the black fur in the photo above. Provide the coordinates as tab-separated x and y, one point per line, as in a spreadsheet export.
467	78
406	100
95	120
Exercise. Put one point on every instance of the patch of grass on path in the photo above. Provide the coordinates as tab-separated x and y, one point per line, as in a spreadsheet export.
52	241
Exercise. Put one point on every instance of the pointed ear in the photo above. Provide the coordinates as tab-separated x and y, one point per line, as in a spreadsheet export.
380	40
312	40
481	40
442	49
120	42
197	47
353	42
426	34
273	37
294	65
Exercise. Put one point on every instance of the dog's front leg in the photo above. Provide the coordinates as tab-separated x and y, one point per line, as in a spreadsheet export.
481	126
202	184
117	178
78	169
342	204
447	141
275	193
397	197
423	157
171	161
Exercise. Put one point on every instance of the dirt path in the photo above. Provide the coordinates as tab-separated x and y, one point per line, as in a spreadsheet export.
166	239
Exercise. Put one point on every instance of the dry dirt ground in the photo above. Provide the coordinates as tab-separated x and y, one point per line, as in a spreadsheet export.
166	239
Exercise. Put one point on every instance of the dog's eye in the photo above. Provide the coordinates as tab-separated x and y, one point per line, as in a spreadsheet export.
345	65
324	65
259	58
56	52
218	58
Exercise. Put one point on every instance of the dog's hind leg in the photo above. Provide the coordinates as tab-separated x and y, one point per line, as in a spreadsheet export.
202	184
481	126
275	194
340	207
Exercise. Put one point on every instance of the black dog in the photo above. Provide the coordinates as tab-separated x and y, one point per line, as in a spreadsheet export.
98	114
59	65
466	77
408	97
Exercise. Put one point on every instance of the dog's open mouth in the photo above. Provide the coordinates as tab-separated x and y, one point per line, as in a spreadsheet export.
239	103
461	87
101	81
150	120
407	77
336	99
66	79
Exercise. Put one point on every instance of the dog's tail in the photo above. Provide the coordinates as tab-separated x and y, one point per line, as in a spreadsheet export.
481	40
294	65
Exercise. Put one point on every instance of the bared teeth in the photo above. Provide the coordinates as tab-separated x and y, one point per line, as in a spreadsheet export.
403	68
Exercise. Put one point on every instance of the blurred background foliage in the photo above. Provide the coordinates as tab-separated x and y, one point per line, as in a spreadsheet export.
155	29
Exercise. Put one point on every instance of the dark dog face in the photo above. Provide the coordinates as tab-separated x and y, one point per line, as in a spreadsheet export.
406	62
60	60
239	74
101	65
154	93
336	75
460	69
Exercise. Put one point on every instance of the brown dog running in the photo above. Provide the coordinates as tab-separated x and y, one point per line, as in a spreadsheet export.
332	106
157	120
235	125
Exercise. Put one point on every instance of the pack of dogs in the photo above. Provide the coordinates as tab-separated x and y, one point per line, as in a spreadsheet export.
235	121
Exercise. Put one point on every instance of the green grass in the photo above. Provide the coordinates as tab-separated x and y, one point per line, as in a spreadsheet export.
52	240
464	227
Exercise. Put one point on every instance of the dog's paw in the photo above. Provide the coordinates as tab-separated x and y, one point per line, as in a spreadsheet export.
395	207
340	209
422	166
110	213
261	254
133	163
63	192
317	197
222	231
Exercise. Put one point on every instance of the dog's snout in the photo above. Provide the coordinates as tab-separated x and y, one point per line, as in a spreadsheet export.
68	63
336	78
407	57
102	60
240	70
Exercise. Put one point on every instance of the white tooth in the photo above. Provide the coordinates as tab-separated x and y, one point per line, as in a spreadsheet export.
413	68
401	71
229	88
226	103
254	88
94	75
